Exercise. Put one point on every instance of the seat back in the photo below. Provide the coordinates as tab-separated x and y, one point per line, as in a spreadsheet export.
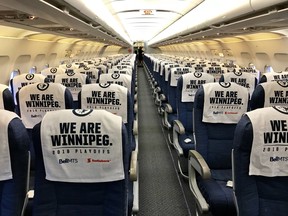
217	109
174	75
14	158
91	72
120	79
112	98
187	86
87	175
6	98
274	76
37	99
51	72
260	171
74	82
245	79
22	80
270	94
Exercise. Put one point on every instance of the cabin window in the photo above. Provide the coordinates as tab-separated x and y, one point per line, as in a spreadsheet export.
52	59
4	64
245	59
281	60
39	61
23	62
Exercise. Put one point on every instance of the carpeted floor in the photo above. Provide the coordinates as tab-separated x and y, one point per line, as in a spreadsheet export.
162	191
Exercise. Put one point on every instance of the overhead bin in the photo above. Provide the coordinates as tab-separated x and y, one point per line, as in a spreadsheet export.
212	14
260	4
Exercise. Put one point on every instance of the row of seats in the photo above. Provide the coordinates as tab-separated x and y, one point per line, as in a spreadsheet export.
214	119
66	141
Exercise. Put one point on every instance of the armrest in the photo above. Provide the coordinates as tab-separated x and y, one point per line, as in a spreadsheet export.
197	162
133	166
157	89
135	127
178	129
135	108
168	108
162	97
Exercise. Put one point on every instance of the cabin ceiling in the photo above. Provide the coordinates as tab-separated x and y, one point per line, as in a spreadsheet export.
122	22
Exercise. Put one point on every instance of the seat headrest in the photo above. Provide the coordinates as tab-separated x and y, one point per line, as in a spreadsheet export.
276	76
25	79
73	81
245	79
270	137
192	82
37	99
82	146
110	97
275	93
120	79
176	73
224	102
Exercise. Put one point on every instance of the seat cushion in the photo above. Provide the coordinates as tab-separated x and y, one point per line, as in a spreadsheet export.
186	146
217	194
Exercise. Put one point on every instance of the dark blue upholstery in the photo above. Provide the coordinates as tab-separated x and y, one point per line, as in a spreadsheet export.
74	199
7	98
214	142
47	90
255	195
13	191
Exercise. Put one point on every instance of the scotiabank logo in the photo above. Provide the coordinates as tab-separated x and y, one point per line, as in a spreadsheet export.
231	113
91	160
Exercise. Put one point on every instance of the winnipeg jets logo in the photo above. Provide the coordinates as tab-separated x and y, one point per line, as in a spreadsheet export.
225	84
86	68
82	112
283	109
115	75
68	65
283	83
42	86
29	76
197	74
70	73
104	85
238	73
53	70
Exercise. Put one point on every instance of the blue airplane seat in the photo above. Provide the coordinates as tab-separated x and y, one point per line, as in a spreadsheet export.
217	109
245	79
269	94
82	179
14	154
117	100
259	171
34	101
6	98
73	82
183	139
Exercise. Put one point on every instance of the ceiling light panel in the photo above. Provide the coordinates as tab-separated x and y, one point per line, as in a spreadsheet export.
156	14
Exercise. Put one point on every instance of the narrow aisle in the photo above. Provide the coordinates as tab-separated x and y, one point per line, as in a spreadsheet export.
159	187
